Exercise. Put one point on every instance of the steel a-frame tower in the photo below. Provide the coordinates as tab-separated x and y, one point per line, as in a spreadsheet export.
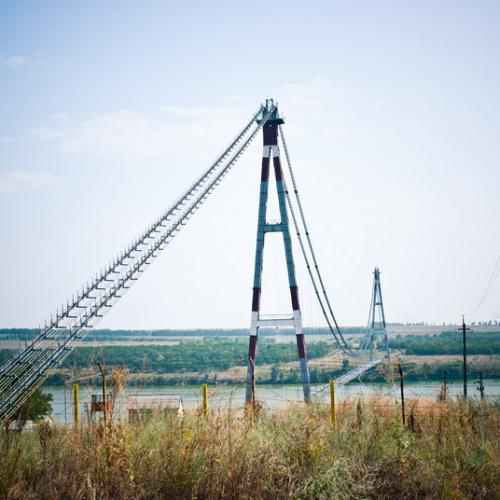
376	321
271	150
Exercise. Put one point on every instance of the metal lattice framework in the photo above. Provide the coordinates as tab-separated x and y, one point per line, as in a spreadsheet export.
377	329
271	157
27	370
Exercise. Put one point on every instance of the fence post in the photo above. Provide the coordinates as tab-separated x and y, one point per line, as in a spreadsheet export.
445	386
65	405
401	381
481	386
359	414
76	409
332	403
204	392
104	395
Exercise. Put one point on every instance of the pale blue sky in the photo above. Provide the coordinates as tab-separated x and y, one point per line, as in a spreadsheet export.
109	109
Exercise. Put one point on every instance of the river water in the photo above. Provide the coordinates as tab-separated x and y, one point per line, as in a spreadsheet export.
273	396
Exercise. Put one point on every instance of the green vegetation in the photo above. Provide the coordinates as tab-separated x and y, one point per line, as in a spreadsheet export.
414	372
21	334
447	343
191	355
37	406
195	361
448	450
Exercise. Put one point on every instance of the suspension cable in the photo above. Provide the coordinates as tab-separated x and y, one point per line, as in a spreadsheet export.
309	269
345	347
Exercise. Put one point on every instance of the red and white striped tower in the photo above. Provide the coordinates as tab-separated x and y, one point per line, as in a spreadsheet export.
271	149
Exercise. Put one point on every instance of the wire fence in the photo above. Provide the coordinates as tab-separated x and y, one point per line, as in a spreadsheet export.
272	397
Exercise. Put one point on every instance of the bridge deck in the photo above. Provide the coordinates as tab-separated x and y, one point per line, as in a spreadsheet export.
357	372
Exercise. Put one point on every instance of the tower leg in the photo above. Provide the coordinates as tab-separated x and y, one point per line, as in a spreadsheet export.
304	369
294	291
257	279
252	351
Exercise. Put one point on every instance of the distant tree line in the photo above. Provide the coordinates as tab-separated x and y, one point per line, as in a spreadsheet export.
189	355
195	361
115	335
447	343
281	374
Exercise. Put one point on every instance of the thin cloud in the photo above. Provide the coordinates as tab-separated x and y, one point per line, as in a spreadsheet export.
317	93
197	132
15	61
193	131
173	131
19	180
49	134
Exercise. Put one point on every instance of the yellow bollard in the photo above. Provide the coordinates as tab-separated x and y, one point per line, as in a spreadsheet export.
204	391
332	403
76	411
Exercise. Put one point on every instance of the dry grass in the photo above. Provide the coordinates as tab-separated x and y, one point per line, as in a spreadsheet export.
447	450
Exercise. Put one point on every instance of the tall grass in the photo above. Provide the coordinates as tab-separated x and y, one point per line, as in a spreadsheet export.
448	450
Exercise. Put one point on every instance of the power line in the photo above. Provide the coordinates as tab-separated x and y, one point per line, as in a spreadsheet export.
491	282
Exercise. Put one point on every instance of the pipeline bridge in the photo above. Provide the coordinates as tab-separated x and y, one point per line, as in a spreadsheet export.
27	369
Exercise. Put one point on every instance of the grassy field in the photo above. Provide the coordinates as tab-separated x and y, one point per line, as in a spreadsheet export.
446	450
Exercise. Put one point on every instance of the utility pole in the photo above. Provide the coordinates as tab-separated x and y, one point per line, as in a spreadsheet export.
464	329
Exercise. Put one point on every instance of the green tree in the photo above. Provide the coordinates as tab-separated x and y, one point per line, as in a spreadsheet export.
38	405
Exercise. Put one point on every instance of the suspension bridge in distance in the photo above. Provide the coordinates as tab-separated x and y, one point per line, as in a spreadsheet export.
25	371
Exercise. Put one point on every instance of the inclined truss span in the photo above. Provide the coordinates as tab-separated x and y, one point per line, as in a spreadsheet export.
27	369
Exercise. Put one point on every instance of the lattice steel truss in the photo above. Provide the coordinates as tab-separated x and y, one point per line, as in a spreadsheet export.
377	330
26	370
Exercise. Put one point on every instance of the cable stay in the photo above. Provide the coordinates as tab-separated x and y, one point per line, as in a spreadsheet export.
325	305
312	277
26	370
